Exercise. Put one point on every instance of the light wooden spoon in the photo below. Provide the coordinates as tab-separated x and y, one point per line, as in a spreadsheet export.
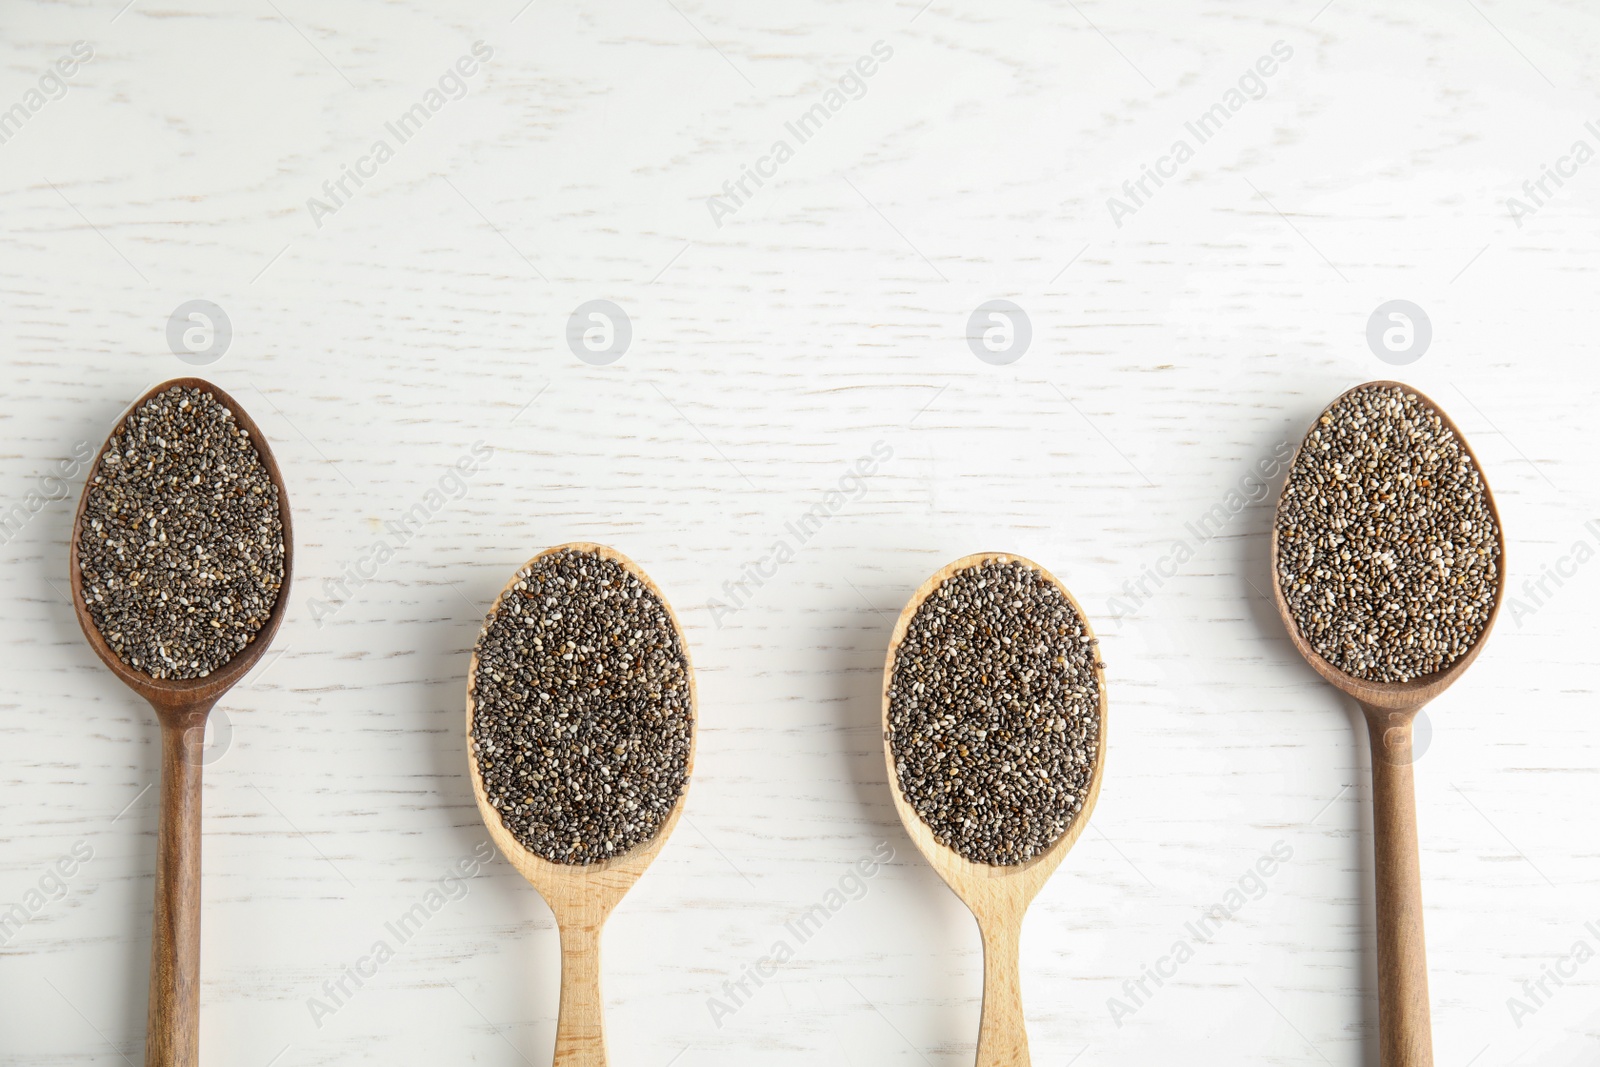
581	896
172	1037
1405	1029
997	896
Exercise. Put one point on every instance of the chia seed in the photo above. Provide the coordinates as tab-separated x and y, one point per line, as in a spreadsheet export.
181	549
582	709
994	712
1388	552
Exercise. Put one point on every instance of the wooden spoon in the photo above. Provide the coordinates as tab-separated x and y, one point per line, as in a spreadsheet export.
181	705
997	896
581	896
1405	1029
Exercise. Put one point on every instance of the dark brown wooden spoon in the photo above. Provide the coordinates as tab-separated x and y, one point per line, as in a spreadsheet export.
181	705
1405	1033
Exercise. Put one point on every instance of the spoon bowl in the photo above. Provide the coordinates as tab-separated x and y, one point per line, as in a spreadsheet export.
1390	710
581	896
997	896
181	706
1405	698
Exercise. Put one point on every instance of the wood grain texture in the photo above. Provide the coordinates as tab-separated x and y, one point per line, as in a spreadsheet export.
1169	357
1405	1019
1002	1028
173	1030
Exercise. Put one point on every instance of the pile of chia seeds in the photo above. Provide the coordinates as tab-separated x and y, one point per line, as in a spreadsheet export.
582	714
1388	553
994	712
181	548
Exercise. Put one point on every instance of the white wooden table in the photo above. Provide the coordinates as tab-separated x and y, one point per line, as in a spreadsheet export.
774	335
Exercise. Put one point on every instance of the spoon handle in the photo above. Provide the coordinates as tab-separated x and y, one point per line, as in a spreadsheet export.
173	1034
1002	1033
580	1028
1404	1025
